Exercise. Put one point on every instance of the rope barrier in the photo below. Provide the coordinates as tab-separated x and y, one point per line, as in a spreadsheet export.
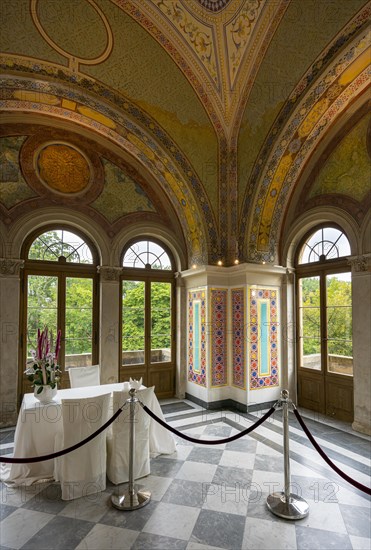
347	478
13	460
211	441
342	474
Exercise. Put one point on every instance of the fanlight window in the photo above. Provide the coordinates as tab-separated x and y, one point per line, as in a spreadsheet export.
147	255
326	243
60	245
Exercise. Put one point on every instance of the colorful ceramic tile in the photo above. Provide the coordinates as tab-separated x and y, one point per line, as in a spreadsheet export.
197	337
238	338
263	338
218	334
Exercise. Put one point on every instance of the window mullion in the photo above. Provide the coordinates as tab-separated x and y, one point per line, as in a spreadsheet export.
61	319
147	322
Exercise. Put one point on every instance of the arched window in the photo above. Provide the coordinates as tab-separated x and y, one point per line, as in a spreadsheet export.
60	245
327	243
60	291
147	255
148	315
324	313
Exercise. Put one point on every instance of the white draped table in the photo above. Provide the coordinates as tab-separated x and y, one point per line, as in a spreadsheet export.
39	424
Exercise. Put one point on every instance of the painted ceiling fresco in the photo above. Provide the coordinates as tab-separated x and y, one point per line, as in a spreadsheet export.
347	170
220	102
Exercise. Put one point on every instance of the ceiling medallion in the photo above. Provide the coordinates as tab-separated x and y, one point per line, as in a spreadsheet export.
63	169
214	5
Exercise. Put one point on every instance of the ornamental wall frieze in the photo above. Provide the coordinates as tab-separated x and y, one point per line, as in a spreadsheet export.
10	267
299	128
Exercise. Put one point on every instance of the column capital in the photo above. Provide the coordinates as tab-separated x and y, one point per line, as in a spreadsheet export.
10	267
360	263
290	276
108	273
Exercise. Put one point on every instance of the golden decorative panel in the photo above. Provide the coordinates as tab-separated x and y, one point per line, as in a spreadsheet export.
238	33
198	35
63	168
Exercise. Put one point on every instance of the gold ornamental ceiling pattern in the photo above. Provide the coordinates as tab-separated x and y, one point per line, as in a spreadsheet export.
223	48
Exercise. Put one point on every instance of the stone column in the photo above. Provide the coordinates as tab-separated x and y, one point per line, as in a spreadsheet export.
109	336
9	349
361	300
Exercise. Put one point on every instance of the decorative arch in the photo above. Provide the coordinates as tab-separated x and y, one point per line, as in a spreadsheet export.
151	230
317	102
136	133
71	252
29	223
313	218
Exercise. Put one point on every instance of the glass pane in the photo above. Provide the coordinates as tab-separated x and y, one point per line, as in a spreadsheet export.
326	243
147	254
160	322
133	316
310	323
53	244
310	353
339	323
42	296
79	321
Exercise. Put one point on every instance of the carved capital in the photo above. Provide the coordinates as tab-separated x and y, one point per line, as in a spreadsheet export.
10	267
108	273
360	263
290	276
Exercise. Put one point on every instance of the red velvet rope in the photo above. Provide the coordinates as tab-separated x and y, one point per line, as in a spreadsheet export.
63	451
327	459
211	441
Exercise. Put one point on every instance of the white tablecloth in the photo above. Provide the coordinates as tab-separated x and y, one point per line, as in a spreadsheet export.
38	425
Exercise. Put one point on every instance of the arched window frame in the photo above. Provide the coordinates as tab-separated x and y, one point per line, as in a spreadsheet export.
166	249
149	275
306	376
326	261
61	269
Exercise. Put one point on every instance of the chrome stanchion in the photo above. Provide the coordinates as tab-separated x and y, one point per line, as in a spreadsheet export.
285	504
134	496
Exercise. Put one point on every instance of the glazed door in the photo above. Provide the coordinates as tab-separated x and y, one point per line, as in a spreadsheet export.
65	302
147	340
325	356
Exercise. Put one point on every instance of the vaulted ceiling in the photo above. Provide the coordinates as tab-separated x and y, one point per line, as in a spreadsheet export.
203	116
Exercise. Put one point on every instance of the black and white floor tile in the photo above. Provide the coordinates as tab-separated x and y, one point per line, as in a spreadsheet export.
209	496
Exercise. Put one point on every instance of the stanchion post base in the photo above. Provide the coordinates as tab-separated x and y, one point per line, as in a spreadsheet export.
295	508
131	501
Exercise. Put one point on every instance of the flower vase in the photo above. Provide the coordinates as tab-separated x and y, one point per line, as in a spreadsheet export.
47	393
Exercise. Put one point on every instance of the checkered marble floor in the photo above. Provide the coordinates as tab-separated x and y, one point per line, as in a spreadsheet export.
209	497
